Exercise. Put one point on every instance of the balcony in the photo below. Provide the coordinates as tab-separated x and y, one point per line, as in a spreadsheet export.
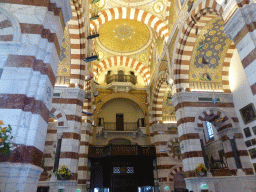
121	150
112	126
121	78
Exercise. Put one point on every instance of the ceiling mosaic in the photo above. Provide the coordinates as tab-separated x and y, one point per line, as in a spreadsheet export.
155	7
63	71
168	108
124	36
209	53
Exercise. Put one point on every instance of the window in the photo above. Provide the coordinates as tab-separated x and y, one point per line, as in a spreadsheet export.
123	170
209	129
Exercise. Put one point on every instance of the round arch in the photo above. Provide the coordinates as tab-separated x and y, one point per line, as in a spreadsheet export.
202	12
218	117
125	96
158	96
122	61
10	21
131	13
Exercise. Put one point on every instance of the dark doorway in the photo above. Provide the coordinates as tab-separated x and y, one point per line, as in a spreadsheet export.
120	76
179	182
119	122
43	189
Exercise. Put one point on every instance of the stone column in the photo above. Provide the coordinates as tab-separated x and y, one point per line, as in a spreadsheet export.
167	164
229	154
243	154
71	103
240	27
31	34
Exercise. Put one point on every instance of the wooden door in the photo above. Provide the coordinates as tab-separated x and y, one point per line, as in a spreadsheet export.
119	122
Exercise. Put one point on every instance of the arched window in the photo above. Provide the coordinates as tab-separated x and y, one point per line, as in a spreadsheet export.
209	130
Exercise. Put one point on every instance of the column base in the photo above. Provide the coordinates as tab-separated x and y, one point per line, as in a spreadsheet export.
19	177
68	186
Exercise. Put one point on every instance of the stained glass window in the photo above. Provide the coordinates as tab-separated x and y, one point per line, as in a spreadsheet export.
209	129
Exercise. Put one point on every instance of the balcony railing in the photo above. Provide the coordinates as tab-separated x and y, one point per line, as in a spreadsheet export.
112	126
120	150
121	78
169	118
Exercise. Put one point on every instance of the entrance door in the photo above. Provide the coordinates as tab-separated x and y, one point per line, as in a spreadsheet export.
124	185
119	122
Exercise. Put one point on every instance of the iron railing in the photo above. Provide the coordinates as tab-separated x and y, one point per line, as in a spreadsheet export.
120	150
121	78
128	126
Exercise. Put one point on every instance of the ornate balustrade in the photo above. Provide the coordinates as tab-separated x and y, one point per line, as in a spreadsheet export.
121	78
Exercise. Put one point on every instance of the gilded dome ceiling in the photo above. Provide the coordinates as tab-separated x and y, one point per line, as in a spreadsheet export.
133	2
124	36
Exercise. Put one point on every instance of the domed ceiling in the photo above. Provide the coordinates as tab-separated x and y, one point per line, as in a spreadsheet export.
124	37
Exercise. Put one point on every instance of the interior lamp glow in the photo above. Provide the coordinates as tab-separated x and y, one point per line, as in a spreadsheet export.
170	81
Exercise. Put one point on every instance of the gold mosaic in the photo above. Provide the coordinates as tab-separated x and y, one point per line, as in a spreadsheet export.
124	35
209	59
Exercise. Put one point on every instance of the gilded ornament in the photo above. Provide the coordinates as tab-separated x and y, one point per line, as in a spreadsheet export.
213	32
100	4
217	47
215	39
158	7
143	57
208	53
213	61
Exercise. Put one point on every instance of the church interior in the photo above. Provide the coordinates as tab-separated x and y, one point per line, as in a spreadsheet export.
127	95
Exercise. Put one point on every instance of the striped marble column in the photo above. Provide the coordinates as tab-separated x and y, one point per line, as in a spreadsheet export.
243	154
71	103
165	160
49	151
229	154
31	34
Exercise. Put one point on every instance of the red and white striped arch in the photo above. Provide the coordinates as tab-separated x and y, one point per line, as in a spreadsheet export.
60	116
131	13
174	170
122	61
203	13
152	47
158	97
214	113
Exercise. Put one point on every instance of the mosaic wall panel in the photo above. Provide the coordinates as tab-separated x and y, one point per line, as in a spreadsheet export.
208	61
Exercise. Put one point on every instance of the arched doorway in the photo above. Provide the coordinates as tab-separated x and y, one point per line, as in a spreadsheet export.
120	76
179	182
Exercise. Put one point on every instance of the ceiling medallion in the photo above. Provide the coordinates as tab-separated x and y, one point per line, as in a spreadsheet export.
143	57
100	4
124	31
124	37
158	7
